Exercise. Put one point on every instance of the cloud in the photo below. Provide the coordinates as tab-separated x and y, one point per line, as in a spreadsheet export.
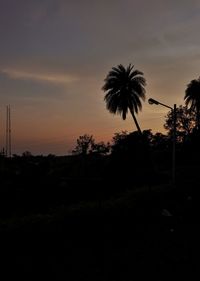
44	77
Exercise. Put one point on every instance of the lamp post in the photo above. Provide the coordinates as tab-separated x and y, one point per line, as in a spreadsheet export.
152	101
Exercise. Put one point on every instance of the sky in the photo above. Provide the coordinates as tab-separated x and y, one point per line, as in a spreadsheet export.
55	55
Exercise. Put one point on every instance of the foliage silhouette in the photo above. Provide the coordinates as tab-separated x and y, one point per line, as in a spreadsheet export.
129	143
27	154
84	144
159	141
131	160
192	99
118	140
100	148
124	89
185	122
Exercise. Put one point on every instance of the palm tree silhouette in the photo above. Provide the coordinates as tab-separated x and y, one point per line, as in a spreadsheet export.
192	98
124	89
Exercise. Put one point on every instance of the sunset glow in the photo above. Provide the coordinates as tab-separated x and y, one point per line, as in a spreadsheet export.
54	56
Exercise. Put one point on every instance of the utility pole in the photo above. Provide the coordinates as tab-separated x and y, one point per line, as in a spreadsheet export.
9	120
173	109
174	146
8	152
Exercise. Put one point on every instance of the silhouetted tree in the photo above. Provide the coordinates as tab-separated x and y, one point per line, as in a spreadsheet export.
84	144
185	122
124	89
132	142
147	136
118	140
100	148
27	154
159	141
192	98
130	159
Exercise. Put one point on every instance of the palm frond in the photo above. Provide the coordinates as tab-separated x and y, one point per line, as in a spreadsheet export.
124	88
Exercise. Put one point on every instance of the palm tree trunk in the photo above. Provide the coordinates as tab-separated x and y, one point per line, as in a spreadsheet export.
136	122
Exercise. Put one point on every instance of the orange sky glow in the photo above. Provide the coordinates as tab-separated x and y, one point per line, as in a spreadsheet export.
55	55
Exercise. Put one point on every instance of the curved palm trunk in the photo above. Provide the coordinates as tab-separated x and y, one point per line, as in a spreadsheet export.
136	122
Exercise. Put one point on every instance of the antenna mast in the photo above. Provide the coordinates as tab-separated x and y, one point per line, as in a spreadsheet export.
6	152
9	126
8	132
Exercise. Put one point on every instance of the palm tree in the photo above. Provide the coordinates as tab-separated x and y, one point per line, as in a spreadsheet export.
124	89
192	98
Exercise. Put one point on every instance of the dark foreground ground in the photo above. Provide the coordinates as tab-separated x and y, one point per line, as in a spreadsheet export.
135	236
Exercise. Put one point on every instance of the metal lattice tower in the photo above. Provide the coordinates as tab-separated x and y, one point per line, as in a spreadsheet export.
8	132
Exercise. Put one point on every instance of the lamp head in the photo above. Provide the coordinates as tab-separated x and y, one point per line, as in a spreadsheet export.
152	101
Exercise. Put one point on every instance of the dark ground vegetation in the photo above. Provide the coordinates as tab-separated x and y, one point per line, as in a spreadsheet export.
101	217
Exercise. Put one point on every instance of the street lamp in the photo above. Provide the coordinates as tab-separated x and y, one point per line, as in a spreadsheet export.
152	101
